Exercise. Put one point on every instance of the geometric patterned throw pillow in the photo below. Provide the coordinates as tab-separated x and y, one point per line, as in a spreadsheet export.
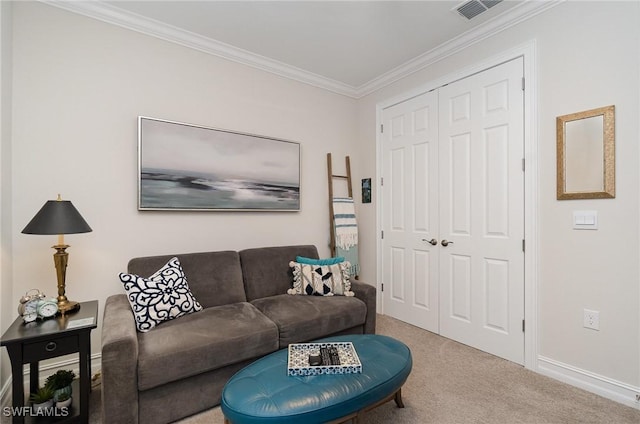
321	280
162	297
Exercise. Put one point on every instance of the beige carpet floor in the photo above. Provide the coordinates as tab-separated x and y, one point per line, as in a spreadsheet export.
452	383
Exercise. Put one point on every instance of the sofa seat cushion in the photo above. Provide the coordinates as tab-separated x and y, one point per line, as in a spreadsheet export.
203	341
304	318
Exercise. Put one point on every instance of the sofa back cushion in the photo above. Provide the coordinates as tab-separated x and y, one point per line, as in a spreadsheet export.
266	270
215	278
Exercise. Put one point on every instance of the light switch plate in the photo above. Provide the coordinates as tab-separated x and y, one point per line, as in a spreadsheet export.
585	220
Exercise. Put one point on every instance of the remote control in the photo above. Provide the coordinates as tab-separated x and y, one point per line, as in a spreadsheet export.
335	358
329	355
326	356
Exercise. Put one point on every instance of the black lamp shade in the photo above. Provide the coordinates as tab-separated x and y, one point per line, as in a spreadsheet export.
57	217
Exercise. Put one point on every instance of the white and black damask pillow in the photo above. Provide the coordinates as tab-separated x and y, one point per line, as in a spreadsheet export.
162	297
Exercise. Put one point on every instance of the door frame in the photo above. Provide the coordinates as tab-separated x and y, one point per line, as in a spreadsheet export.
531	181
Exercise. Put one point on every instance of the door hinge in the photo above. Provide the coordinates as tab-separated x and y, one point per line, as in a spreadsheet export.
523	245
382	287
522	164
523	326
382	128
522	83
382	234
381	181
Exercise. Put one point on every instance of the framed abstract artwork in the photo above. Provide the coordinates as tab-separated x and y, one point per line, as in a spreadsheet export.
191	167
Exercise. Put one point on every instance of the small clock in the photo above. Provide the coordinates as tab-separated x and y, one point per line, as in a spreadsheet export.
34	305
29	310
47	308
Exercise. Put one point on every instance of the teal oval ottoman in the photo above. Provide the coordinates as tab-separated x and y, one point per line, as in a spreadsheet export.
262	392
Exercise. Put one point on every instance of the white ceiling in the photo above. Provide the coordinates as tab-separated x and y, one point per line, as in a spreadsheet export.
350	47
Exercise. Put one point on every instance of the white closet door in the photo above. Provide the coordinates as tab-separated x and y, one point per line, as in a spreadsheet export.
482	211
452	174
410	211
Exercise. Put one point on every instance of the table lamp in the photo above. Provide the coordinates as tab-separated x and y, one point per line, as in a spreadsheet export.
59	217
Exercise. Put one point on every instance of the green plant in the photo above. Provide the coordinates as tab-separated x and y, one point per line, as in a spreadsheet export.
63	396
60	380
42	395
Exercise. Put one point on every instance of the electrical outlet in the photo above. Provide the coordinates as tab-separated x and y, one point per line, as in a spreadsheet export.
592	319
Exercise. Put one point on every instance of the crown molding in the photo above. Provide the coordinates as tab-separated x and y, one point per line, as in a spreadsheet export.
116	16
511	17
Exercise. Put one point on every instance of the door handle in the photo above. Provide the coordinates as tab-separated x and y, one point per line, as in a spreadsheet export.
446	243
432	242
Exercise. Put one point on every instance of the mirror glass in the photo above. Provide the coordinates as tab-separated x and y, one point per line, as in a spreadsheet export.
583	145
586	154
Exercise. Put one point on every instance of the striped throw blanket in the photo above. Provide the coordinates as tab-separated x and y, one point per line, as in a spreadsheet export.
346	232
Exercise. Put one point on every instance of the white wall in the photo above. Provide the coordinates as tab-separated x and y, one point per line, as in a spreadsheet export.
7	304
79	85
587	57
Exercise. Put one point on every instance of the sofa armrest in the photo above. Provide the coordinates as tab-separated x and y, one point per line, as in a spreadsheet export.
119	362
366	293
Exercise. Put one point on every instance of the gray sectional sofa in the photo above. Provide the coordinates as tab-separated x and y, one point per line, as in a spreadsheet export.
180	367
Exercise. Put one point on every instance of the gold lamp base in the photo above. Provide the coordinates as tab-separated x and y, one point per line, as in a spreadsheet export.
60	259
65	306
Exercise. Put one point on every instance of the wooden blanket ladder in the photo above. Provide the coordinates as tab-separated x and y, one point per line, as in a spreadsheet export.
331	176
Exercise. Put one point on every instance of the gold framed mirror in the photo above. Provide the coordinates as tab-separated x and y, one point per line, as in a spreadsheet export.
586	154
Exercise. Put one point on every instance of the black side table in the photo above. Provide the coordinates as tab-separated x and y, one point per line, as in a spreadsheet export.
39	340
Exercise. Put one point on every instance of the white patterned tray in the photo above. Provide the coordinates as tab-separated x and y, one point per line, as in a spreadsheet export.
298	363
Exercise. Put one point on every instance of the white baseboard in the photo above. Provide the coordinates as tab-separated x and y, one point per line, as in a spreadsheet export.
594	383
73	364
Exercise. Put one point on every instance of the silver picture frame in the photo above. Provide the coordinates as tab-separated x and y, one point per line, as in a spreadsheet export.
187	167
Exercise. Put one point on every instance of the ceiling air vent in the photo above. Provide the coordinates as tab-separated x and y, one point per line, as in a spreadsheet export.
471	9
